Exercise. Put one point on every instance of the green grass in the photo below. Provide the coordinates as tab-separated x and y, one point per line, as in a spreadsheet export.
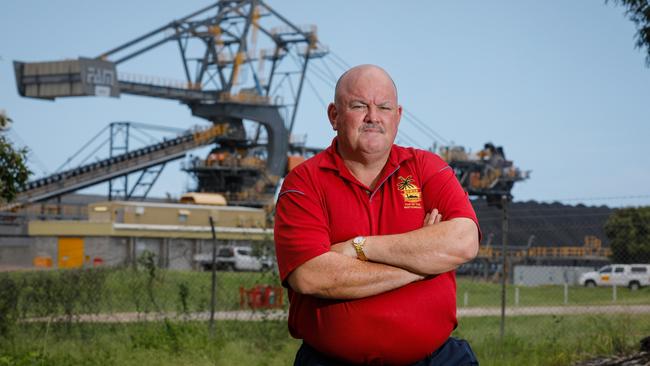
553	340
44	293
156	343
489	294
535	340
532	340
129	292
47	293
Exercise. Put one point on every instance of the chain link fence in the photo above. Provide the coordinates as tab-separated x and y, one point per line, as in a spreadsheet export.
558	259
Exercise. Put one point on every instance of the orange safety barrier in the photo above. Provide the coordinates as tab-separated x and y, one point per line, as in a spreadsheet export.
42	262
261	297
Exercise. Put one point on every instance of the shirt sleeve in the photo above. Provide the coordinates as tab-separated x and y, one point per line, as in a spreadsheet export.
301	231
442	190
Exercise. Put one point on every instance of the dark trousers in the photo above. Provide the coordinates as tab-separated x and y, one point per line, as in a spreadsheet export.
454	352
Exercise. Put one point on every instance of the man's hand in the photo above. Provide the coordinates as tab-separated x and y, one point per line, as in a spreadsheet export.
432	217
347	249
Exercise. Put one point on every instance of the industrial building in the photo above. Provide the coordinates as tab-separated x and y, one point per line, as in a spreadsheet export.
87	230
118	232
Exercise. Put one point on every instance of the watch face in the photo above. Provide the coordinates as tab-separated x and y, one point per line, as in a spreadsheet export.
358	240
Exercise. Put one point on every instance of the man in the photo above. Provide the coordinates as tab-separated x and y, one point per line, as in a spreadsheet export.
367	236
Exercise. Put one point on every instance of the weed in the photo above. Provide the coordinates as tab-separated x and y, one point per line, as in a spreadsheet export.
147	261
8	304
183	295
171	336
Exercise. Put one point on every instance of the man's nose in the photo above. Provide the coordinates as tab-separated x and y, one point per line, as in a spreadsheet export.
372	115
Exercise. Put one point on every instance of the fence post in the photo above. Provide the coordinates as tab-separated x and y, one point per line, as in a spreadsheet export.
213	297
133	253
566	293
516	296
504	243
614	293
194	251
465	299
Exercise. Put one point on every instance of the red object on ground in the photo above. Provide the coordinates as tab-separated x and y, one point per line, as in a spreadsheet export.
261	297
98	261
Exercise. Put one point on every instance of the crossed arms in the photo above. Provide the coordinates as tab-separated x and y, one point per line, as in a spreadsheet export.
393	260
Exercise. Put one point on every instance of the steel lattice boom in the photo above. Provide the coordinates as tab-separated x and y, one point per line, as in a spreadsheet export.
241	61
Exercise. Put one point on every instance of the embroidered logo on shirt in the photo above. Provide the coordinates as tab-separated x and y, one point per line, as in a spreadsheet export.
410	192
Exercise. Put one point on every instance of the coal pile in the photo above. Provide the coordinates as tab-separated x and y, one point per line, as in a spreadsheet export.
641	358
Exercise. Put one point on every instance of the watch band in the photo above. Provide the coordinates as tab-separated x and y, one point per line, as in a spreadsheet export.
358	244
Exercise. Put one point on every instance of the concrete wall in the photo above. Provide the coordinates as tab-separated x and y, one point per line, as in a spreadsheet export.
548	275
152	245
45	246
19	252
181	252
15	252
110	251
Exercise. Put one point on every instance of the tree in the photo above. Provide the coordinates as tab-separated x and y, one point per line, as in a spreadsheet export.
13	171
639	13
628	230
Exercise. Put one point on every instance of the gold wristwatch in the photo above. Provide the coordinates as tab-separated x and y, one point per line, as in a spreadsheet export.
358	244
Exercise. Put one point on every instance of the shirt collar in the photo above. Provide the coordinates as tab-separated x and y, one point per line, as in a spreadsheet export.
332	160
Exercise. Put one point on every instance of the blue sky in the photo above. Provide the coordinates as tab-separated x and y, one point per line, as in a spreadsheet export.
557	83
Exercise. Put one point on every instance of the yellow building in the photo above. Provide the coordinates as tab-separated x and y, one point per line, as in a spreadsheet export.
117	232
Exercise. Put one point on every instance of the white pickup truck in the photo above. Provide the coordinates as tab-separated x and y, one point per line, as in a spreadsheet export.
234	258
633	276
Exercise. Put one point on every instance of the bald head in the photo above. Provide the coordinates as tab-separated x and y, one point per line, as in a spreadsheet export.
365	115
353	74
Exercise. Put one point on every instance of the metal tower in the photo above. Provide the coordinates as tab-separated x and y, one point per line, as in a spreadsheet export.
244	66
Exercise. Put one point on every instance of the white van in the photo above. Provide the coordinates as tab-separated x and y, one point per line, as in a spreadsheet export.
633	276
234	258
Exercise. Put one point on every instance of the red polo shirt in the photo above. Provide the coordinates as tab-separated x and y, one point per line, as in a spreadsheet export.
321	203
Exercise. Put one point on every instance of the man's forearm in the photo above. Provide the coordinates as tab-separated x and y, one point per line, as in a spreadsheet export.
435	248
431	249
336	276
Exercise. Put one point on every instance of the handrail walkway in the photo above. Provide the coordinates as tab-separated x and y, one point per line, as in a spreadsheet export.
106	169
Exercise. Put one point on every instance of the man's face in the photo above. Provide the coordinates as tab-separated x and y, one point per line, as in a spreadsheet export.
366	114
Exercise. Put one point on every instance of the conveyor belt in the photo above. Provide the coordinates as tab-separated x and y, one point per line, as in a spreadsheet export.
166	92
103	170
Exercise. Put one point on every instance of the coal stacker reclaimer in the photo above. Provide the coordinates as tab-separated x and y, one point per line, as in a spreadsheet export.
244	67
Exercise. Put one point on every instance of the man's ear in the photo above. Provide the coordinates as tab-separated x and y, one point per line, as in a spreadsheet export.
332	113
399	114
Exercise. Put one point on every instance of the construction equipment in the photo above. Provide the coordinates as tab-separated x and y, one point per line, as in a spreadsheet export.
486	173
104	170
219	50
244	65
